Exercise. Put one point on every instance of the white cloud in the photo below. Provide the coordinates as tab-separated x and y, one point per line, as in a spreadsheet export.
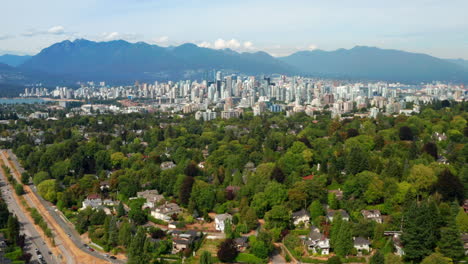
223	44
312	47
111	36
248	45
163	40
56	30
233	44
204	44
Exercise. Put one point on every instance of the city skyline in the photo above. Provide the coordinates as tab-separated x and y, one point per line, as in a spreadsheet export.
423	26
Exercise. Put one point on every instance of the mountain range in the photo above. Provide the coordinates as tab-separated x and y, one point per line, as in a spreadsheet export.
13	60
123	62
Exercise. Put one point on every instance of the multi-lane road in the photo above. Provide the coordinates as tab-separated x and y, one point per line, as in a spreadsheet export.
33	238
72	238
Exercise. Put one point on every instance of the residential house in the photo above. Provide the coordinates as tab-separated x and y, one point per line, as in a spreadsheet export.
373	215
317	242
166	211
152	197
331	214
95	202
241	243
361	244
220	221
104	185
182	240
301	216
167	165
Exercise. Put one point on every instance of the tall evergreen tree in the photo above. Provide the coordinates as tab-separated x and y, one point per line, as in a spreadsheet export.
356	161
113	239
12	229
450	243
377	258
420	228
136	252
335	230
120	210
344	242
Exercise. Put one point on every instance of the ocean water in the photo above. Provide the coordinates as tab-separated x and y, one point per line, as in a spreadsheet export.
21	101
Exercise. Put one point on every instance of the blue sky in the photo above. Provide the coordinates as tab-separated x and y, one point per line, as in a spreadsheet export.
436	27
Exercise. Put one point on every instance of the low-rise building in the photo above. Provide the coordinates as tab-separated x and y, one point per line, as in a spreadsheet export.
153	198
361	244
167	165
331	214
301	216
182	240
241	243
317	242
372	215
166	211
220	221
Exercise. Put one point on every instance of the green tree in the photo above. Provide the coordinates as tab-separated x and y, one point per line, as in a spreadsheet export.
419	231
356	161
250	218
393	259
136	251
278	217
206	258
450	244
259	249
12	229
422	177
40	177
125	234
377	258
332	201
316	210
25	177
120	210
334	260
202	197
113	237
47	189
344	240
436	258
450	186
462	221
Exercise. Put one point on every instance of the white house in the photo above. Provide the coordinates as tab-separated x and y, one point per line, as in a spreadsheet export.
301	216
152	198
166	211
220	221
167	165
317	242
93	200
331	214
373	215
361	244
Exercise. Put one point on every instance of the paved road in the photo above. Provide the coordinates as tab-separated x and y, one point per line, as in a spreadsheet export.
60	219
33	239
